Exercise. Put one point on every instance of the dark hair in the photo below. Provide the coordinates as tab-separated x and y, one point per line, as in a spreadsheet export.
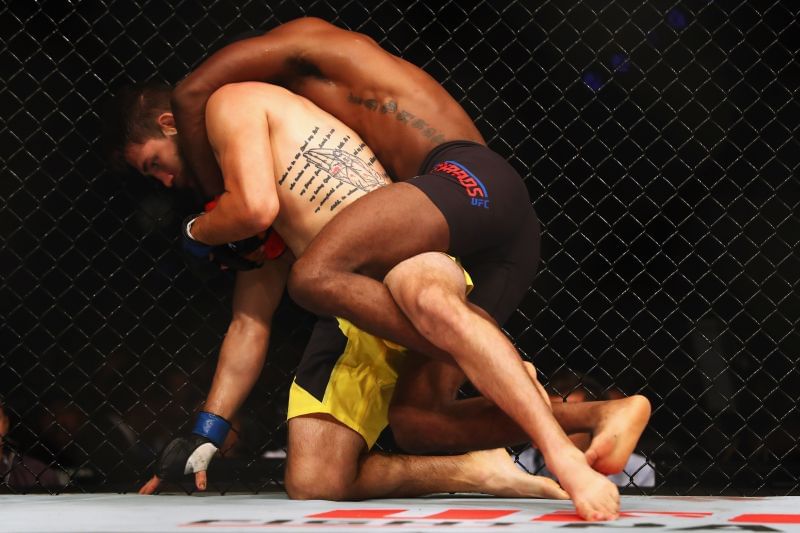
130	116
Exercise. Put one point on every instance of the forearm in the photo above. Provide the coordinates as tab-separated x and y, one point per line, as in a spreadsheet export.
241	360
231	220
239	133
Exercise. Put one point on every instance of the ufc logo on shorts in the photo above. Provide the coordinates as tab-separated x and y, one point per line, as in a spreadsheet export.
472	185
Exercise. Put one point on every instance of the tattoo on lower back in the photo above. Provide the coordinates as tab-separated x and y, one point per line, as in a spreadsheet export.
390	108
345	167
327	171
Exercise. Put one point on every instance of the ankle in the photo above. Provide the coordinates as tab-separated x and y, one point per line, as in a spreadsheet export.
566	460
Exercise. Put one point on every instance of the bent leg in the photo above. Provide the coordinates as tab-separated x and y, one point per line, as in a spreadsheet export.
615	425
322	458
430	289
325	281
338	272
327	461
339	403
425	398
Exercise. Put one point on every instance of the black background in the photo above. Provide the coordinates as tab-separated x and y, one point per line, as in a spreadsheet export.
659	144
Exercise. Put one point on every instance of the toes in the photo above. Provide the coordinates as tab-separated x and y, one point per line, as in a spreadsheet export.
553	490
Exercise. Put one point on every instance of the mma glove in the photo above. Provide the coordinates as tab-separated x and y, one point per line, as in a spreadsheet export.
230	255
187	455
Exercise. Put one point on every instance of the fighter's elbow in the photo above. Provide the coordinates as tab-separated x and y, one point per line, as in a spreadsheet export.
261	214
317	30
310	24
254	326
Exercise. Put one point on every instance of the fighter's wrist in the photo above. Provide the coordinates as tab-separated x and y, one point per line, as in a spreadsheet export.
212	427
187	226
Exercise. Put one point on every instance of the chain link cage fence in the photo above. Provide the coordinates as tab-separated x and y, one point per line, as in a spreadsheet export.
658	140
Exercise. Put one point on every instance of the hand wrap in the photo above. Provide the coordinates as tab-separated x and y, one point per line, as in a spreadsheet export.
187	455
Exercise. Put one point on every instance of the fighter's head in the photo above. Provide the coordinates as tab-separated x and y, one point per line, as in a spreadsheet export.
140	132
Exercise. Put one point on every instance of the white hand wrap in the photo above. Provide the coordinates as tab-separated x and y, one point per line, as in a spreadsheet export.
200	458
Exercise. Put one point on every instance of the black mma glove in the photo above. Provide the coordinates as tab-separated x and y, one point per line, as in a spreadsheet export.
187	455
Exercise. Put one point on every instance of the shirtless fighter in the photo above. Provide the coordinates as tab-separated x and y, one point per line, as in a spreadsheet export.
471	204
307	166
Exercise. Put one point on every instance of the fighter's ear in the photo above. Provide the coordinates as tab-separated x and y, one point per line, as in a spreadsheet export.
166	122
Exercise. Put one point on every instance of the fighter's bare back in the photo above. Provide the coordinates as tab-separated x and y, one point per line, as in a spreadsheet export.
319	164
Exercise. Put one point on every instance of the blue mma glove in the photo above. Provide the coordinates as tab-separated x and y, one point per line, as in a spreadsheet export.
230	255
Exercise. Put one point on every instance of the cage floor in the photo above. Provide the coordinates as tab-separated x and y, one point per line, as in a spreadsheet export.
273	512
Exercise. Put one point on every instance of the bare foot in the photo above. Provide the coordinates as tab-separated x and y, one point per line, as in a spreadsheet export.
594	496
616	433
501	477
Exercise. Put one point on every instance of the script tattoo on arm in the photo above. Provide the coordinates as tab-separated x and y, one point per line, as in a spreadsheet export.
390	107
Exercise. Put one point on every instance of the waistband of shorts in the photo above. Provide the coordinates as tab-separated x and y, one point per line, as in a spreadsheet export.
437	153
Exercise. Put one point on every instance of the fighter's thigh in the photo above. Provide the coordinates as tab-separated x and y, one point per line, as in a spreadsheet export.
503	276
379	230
426	390
322	458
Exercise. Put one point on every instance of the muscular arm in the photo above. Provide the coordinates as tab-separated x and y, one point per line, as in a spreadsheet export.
244	350
274	56
238	131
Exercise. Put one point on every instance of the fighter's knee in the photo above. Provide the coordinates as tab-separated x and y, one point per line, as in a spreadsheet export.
314	486
426	286
433	308
401	280
411	292
413	270
295	487
304	277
